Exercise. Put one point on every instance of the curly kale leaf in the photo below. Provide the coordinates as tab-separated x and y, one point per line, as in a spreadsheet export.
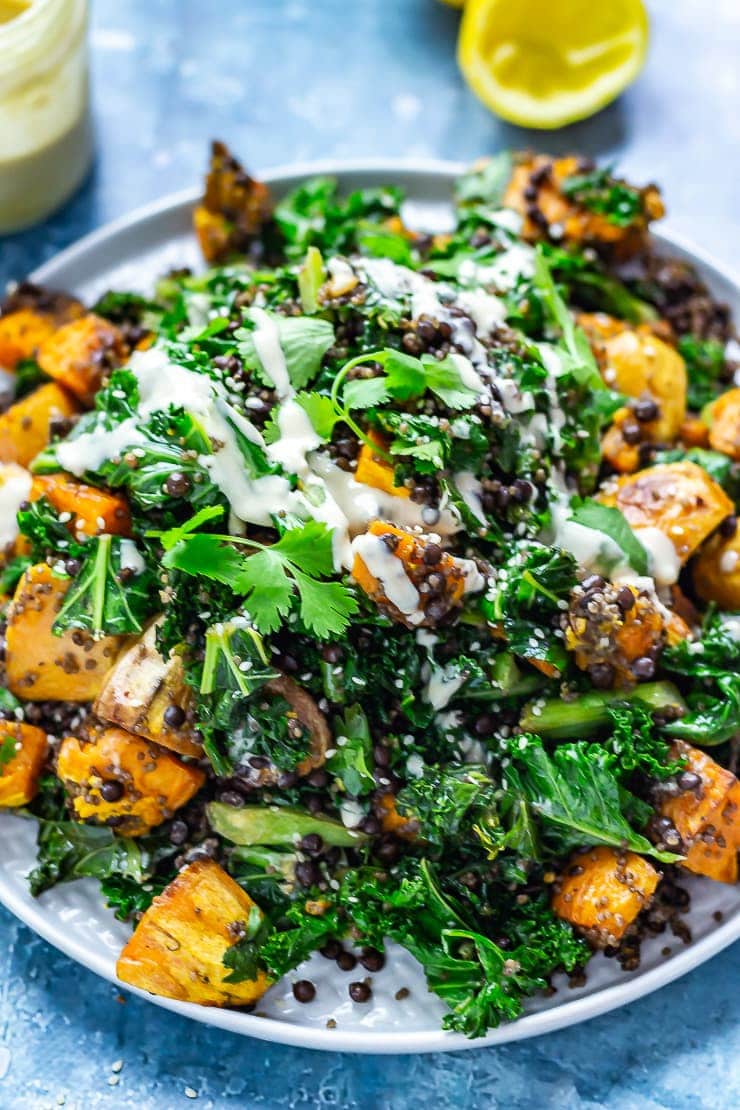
575	796
106	597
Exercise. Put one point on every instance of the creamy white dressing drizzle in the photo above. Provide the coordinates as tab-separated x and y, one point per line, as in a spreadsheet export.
443	684
470	490
390	573
15	487
131	557
297	439
266	339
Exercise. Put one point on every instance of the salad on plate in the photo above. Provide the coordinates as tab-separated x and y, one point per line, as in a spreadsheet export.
373	584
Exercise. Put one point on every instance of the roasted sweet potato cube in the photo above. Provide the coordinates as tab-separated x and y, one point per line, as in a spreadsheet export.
621	455
25	426
139	691
94	511
601	892
536	190
602	633
724	424
78	355
178	948
707	819
693	432
373	470
233	209
394	822
393	567
716	571
640	365
21	334
115	774
679	499
40	665
23	750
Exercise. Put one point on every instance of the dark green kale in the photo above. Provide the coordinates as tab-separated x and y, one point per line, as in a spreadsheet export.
525	600
705	367
315	215
69	850
352	762
574	795
114	592
709	672
446	800
482	983
599	191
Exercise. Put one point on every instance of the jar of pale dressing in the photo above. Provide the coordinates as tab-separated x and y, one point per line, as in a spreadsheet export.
45	130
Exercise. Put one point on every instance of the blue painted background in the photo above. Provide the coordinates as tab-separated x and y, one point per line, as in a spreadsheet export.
284	80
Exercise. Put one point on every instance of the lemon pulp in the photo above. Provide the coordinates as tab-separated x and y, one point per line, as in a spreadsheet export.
545	64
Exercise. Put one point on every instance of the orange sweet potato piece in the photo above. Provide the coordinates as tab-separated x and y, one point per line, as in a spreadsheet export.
79	354
93	510
178	947
394	822
601	633
373	470
621	455
724	424
679	499
40	665
233	209
19	775
693	432
151	783
707	819
141	687
24	427
406	592
602	891
716	571
577	224
21	334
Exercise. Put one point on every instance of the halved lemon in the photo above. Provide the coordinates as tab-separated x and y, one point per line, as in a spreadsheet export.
545	63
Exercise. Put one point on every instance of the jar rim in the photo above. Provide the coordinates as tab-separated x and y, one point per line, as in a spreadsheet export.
38	34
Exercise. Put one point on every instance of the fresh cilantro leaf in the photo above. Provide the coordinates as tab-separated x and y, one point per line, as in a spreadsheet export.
444	379
304	340
365	393
268	578
321	411
206	556
173	536
309	546
612	523
267	590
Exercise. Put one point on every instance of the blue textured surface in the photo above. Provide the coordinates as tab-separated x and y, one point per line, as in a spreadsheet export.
284	80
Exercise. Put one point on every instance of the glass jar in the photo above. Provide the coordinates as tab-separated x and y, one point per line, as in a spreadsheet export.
45	128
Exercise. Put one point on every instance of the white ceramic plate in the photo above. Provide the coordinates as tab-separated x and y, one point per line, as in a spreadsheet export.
129	254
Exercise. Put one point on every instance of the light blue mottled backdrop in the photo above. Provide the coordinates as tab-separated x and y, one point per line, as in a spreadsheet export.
295	79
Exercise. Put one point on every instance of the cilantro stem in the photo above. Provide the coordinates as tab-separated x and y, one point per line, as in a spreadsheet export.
344	412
